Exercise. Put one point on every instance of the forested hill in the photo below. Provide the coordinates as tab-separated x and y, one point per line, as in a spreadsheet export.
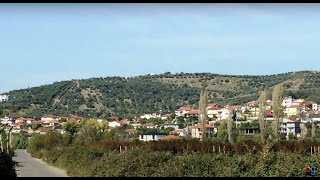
101	97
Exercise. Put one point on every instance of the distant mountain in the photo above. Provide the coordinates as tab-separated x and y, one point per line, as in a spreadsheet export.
119	96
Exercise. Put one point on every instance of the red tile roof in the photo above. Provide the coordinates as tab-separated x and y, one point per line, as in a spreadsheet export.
122	122
193	112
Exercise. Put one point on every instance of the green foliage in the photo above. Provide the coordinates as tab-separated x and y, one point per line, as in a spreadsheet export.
104	97
222	133
7	165
181	158
20	142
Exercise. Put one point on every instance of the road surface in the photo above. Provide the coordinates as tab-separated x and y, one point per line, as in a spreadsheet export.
32	167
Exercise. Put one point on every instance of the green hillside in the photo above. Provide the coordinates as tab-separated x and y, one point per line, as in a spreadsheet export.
101	97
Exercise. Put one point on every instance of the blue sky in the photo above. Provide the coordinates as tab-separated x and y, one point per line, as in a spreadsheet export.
45	43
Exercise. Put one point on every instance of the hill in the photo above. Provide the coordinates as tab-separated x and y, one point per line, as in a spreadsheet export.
101	97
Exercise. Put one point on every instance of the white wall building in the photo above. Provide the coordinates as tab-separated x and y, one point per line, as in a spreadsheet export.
290	126
287	102
223	114
4	98
151	136
114	124
314	107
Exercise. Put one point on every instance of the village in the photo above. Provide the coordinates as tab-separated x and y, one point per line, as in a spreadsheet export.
183	123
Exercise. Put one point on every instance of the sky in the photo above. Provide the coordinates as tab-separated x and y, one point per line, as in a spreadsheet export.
45	43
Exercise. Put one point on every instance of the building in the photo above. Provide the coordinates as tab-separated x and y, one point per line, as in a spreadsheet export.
287	102
290	126
315	107
4	98
50	117
293	110
213	112
151	136
196	130
182	111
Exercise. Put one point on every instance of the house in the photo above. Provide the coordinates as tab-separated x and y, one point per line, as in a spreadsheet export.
313	117
297	102
149	116
166	116
4	98
151	136
182	111
53	123
174	126
249	130
180	132
132	131
290	126
292	110
223	114
17	125
122	122
171	137
136	125
114	124
148	126
7	120
192	113
315	107
20	120
287	101
196	131
213	111
29	120
50	117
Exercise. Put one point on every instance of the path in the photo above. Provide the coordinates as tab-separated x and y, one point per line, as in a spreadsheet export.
32	167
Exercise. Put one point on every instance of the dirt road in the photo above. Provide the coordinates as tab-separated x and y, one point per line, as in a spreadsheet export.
32	167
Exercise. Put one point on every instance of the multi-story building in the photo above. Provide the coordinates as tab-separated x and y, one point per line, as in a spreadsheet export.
290	126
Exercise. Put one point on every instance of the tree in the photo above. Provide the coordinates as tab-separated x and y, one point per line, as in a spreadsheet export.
229	127
262	106
222	133
1	110
203	104
277	97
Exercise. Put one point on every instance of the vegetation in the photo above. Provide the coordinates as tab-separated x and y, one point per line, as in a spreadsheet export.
178	158
129	97
7	165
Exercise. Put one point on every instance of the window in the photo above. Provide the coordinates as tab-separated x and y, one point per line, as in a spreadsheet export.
141	136
153	136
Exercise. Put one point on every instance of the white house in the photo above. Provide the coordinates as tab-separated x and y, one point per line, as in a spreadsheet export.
6	120
223	114
213	111
149	126
182	111
29	120
297	102
287	101
149	116
290	126
4	98
151	136
50	117
180	132
314	107
114	124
